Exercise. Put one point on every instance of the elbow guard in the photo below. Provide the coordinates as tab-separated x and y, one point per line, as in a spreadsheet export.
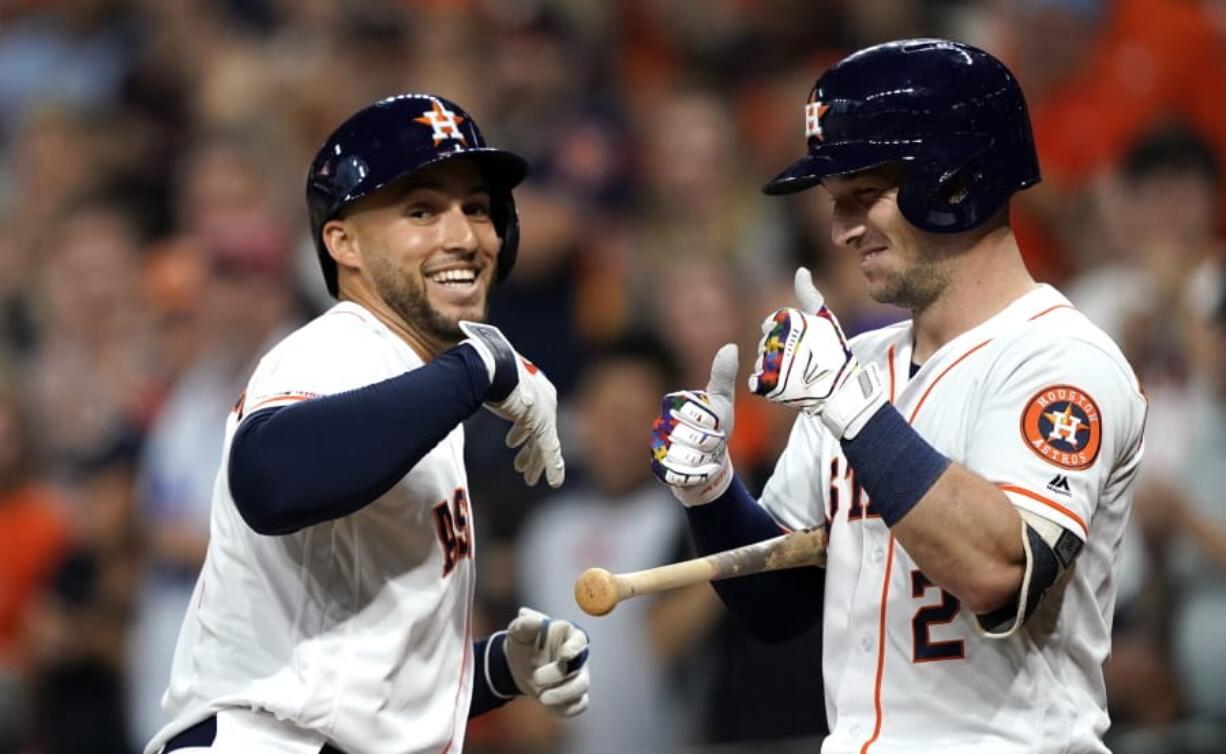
1050	552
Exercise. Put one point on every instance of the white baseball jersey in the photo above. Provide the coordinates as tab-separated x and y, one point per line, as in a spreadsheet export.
1040	402
355	630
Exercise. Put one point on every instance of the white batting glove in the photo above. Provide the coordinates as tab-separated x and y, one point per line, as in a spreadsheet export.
524	396
804	362
548	660
689	440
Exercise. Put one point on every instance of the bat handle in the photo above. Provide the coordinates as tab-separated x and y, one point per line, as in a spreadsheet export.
597	591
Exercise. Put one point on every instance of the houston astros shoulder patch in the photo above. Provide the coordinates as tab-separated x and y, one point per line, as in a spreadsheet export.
1062	425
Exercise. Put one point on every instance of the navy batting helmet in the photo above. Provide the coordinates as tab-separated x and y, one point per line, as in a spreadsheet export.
398	136
953	115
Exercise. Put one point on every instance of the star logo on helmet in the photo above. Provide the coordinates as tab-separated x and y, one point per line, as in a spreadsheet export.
813	119
445	123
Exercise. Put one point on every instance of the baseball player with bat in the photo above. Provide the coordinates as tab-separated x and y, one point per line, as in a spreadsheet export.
334	611
973	466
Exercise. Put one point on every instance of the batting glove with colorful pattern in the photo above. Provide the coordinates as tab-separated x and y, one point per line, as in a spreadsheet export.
689	440
804	361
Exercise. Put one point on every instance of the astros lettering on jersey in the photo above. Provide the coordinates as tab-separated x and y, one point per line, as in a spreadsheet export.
1040	402
282	625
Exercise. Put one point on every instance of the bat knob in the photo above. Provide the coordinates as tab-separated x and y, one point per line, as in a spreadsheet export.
596	591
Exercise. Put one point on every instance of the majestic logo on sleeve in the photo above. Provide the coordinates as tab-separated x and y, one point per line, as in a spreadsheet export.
445	123
1062	424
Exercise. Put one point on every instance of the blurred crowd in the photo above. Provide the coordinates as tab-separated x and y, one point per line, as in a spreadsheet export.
153	242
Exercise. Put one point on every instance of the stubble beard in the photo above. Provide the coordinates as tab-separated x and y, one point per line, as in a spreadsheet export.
916	287
407	297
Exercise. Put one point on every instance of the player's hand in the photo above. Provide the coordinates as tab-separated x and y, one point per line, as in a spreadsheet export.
804	362
548	660
523	395
689	440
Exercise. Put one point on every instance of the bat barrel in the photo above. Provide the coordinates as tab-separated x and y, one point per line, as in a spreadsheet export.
596	591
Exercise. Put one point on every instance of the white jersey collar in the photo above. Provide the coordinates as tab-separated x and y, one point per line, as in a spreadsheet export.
1030	305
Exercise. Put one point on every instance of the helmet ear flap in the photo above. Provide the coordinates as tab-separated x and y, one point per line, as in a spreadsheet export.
506	223
952	199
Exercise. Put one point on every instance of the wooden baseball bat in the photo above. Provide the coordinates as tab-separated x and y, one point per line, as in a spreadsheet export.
597	591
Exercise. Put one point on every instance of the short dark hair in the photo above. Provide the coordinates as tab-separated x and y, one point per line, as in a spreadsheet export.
642	346
1172	148
1219	312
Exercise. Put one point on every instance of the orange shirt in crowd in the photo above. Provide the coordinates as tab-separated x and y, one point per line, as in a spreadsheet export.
1154	59
33	538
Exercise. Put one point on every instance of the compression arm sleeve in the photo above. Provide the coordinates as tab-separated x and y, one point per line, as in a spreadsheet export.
773	607
298	465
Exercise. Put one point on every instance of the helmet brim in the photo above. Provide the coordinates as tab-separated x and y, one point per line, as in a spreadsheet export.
831	159
847	157
502	170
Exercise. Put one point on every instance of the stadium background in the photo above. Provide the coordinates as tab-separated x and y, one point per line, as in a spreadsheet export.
153	243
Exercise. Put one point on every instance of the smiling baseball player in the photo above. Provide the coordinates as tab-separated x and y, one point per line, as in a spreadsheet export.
334	611
974	464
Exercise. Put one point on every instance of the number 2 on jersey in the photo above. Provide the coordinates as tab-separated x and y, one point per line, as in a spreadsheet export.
451	523
860	507
925	649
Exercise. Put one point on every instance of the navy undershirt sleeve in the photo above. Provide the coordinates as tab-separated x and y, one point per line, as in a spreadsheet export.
298	465
773	607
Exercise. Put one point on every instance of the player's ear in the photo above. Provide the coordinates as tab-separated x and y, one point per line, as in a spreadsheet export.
341	242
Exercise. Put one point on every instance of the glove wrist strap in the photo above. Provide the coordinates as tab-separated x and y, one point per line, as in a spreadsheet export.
498	356
853	403
701	495
497	646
